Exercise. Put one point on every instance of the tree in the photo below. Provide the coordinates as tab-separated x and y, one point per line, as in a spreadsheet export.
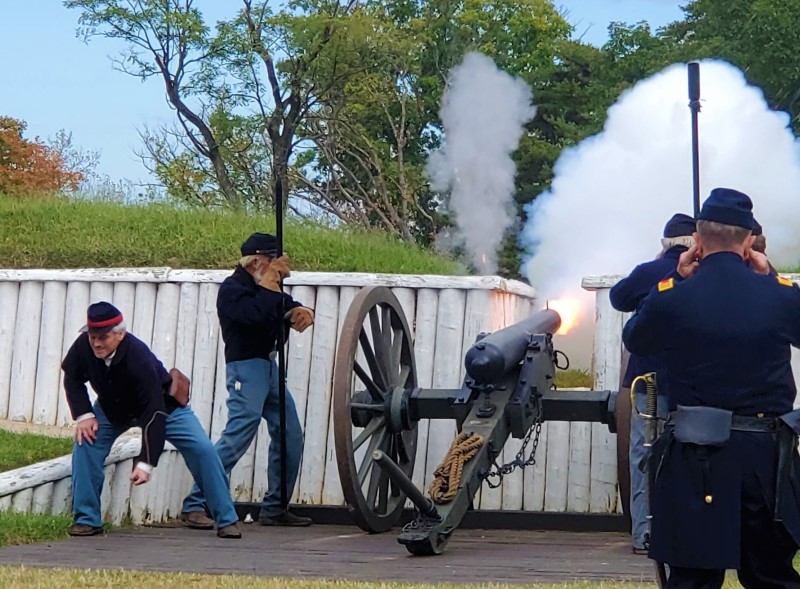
238	107
30	166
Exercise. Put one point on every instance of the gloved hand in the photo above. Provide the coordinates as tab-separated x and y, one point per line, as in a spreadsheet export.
278	271
301	318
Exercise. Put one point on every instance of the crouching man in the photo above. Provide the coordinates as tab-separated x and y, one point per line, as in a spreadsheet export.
132	389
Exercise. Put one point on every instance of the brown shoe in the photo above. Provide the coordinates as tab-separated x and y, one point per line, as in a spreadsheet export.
284	519
231	531
84	530
197	520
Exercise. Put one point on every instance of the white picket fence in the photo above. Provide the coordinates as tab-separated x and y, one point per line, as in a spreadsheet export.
174	311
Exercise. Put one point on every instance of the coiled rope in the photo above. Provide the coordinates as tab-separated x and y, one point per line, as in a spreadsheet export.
447	476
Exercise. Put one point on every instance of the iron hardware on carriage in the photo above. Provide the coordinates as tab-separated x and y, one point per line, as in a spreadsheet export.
508	391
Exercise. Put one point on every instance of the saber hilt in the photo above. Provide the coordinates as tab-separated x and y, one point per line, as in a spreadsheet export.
650	415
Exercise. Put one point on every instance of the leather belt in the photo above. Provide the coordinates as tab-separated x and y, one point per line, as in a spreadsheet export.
747	423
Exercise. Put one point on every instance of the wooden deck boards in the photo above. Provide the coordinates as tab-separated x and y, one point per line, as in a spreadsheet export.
345	552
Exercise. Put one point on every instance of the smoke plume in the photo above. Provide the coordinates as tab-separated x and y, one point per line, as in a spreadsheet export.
483	111
613	193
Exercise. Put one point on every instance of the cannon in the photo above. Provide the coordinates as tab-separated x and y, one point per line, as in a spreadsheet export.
507	391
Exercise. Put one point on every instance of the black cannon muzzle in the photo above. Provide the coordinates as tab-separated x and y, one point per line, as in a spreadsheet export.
488	360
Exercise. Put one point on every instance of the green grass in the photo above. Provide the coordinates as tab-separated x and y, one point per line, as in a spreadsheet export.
17	577
26	528
23	449
52	232
573	378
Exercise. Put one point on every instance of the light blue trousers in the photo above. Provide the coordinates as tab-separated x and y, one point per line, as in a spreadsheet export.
640	525
253	395
184	431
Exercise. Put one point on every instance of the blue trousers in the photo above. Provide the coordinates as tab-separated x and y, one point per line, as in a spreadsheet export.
253	395
640	524
184	431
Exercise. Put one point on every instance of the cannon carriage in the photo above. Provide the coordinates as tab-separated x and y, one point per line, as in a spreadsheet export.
507	391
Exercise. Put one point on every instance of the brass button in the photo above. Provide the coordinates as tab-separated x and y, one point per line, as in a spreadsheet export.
709	499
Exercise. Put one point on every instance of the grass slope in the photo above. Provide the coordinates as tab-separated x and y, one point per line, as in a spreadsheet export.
60	233
18	449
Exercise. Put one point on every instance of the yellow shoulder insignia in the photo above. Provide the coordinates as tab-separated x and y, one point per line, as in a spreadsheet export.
785	281
666	284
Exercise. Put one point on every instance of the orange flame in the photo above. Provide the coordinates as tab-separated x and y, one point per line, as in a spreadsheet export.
568	309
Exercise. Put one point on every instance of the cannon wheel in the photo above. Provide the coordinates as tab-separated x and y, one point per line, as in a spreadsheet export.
623	419
380	354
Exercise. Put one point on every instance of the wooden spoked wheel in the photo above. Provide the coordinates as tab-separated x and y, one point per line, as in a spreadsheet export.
374	364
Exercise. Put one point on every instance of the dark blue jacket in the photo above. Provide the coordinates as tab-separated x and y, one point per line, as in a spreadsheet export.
249	316
724	337
131	391
627	295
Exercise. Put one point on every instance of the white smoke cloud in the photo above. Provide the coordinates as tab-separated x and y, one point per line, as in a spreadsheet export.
613	193
484	111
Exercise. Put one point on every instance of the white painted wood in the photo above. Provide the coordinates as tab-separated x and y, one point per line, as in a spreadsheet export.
119	505
260	463
323	351
600	282
219	412
21	501
535	479
25	351
447	371
161	480
48	368
607	366
124	299
579	474
74	318
180	483
62	496
204	369
105	493
335	279
143	319
332	486
42	501
242	475
34	475
165	325
101	291
555	494
298	369
9	297
187	329
424	346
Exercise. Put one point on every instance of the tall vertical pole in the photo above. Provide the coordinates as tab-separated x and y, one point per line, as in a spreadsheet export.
281	345
694	105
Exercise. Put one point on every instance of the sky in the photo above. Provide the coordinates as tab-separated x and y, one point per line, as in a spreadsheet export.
54	80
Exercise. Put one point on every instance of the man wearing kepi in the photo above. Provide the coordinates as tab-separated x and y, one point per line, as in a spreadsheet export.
626	296
132	389
248	305
725	470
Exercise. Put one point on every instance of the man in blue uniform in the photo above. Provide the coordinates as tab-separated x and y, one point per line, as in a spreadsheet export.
626	296
248	305
132	389
725	470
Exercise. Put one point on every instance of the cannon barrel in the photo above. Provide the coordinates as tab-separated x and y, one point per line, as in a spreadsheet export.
497	353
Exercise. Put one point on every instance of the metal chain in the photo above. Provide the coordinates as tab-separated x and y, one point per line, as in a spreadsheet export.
519	461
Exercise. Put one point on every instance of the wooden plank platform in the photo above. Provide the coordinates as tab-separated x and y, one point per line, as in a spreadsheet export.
345	552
